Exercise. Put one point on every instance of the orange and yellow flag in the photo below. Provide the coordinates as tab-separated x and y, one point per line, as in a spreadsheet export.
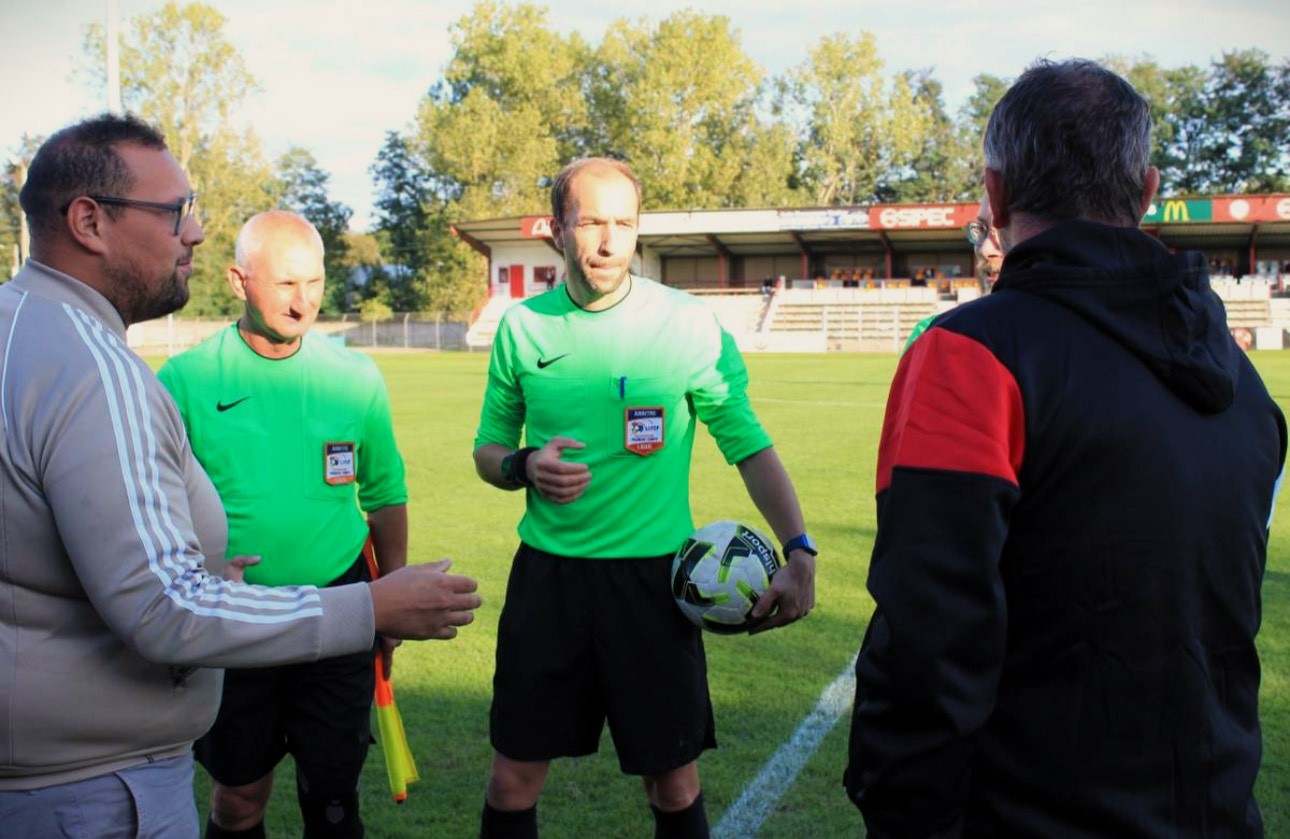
399	764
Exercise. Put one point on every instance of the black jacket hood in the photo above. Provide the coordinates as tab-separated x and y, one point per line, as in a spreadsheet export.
1157	304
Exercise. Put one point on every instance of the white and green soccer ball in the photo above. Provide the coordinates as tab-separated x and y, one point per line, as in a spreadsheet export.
719	574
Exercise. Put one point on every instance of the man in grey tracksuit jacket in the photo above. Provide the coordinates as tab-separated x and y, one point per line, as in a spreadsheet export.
109	617
107	519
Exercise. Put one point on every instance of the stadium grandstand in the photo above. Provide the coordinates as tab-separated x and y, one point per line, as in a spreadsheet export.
860	278
813	280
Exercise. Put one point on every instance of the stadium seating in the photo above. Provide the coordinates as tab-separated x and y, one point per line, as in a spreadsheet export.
853	319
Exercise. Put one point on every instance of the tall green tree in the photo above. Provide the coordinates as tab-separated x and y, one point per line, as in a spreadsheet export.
1182	126
486	158
13	169
1247	146
855	126
973	117
180	72
679	102
947	164
486	140
511	54
1222	128
506	114
302	188
10	220
425	267
403	224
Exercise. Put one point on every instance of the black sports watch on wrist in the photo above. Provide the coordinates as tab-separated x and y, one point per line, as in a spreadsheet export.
801	542
515	466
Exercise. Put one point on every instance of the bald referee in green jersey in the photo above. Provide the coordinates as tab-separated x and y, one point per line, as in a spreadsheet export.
604	377
296	435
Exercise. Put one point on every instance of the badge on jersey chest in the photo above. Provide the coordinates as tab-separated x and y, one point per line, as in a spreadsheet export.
644	430
340	466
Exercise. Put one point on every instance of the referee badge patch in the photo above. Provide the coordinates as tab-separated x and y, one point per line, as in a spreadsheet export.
339	463
644	430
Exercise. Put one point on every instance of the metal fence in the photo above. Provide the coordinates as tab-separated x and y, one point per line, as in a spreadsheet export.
403	330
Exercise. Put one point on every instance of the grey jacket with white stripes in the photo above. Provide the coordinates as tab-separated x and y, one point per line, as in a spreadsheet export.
106	523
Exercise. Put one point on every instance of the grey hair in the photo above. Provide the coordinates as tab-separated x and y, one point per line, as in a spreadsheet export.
1072	140
564	182
250	239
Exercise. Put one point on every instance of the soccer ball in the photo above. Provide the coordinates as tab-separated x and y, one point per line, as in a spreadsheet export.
720	572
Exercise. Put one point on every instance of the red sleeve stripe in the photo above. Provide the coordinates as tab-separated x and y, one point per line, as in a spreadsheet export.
952	406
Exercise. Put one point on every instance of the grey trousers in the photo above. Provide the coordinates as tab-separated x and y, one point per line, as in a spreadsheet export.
153	800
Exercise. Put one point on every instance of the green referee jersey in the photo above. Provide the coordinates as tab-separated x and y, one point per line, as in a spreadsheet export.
628	382
295	446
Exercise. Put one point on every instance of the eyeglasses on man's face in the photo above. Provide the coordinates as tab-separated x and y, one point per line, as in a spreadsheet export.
977	232
183	208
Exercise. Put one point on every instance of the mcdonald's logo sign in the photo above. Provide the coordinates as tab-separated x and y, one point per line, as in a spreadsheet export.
1175	211
1179	211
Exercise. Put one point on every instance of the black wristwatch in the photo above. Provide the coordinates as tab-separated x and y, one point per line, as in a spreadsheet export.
515	466
801	542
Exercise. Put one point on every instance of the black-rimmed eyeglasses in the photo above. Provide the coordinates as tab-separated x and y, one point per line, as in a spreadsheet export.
183	208
977	232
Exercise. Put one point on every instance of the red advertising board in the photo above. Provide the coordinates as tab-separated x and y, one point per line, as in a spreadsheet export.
535	227
1253	208
921	216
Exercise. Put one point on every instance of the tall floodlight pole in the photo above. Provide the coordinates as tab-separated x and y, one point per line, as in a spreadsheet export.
113	60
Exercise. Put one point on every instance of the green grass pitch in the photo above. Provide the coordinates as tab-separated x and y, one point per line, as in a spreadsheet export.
824	412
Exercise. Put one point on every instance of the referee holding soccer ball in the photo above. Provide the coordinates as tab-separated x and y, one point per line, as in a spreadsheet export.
605	376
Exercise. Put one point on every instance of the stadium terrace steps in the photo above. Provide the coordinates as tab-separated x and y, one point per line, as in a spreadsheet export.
1279	312
1248	302
481	332
853	319
1248	313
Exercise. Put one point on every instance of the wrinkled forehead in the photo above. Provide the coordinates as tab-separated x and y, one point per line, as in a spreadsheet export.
287	257
600	189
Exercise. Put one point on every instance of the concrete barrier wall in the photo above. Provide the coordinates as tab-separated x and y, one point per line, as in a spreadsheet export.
781	341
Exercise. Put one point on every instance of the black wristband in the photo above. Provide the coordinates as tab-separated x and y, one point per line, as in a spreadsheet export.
517	466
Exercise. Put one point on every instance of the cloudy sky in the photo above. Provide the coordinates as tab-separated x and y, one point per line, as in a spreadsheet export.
337	75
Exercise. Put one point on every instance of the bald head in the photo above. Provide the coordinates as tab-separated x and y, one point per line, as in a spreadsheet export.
278	275
274	228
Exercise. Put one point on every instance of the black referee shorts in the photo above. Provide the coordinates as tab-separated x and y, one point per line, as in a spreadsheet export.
319	712
582	641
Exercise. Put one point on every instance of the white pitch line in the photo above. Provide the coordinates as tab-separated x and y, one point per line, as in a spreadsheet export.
758	800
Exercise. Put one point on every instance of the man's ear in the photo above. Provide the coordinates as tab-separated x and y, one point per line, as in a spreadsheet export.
85	224
237	281
997	193
557	235
1150	186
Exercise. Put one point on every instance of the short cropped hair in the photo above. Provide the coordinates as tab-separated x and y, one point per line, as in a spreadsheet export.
81	159
564	181
1072	140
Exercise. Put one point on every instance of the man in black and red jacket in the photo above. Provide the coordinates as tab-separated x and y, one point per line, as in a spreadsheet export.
1075	483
